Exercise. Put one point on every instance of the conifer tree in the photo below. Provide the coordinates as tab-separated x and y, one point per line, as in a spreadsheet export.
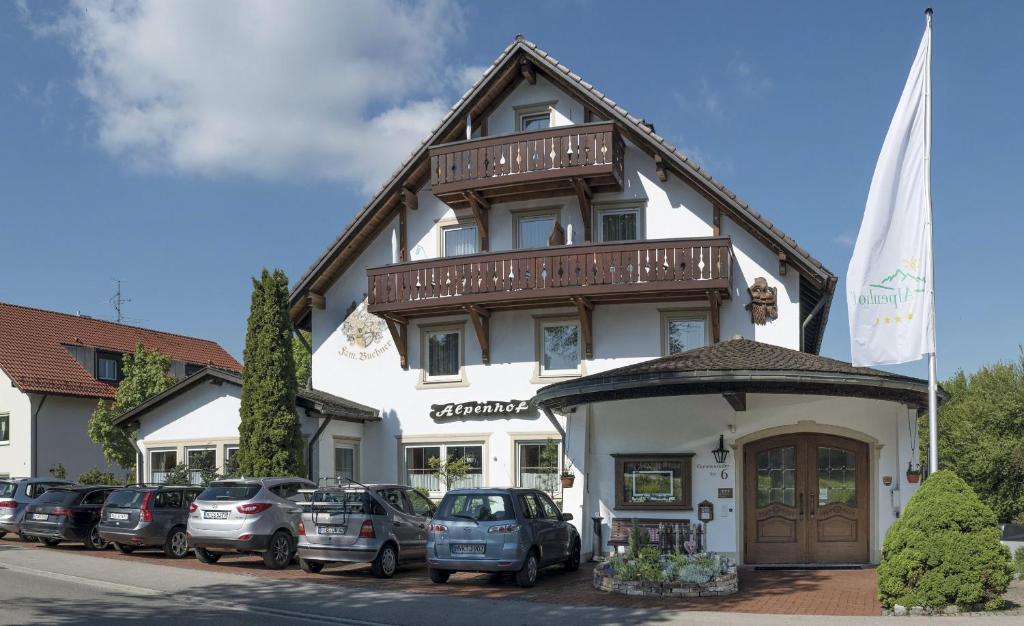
270	439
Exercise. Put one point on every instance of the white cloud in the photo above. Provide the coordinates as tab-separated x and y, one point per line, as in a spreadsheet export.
704	99
749	81
318	89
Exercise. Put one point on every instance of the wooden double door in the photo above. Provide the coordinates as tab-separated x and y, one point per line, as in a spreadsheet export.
806	500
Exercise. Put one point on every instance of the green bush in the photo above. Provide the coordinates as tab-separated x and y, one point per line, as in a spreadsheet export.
638	539
96	476
944	550
644	567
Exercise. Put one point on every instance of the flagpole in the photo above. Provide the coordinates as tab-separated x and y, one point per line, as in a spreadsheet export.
933	384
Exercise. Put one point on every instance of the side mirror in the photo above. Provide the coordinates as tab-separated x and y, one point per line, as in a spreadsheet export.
566	517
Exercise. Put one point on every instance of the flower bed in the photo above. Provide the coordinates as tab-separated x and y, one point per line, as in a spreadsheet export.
673	575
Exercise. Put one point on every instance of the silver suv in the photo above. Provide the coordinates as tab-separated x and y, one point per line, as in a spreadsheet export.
376	524
248	515
15	495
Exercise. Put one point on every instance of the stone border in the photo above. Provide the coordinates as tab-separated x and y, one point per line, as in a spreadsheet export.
725	585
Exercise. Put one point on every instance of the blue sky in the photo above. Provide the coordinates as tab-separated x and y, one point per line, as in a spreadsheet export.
181	147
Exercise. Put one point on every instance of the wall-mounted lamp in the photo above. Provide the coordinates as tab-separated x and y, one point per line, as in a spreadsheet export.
720	452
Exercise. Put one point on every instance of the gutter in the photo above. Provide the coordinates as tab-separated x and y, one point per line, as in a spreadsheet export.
312	442
35	436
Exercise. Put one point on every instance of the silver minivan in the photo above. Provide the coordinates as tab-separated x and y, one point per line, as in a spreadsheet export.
377	524
517	531
248	515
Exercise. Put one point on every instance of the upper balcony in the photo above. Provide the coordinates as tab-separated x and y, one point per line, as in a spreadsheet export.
550	162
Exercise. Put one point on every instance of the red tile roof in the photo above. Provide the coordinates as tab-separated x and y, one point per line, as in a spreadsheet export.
32	351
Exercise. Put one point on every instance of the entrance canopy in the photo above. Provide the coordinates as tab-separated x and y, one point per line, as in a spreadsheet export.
734	368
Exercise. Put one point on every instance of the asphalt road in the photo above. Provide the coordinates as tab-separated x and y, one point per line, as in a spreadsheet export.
40	586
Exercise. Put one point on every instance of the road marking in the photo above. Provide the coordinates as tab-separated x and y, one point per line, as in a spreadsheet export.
81	580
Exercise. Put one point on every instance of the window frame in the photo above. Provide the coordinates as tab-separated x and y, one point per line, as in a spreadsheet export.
155	451
109	355
445	379
346	444
534	110
686	497
544	322
600	210
443	454
443	227
5	419
671	315
553	212
518	442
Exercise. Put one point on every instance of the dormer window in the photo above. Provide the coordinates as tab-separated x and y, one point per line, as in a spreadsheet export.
534	116
108	366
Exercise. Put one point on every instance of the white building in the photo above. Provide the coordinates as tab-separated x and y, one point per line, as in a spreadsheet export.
55	368
541	235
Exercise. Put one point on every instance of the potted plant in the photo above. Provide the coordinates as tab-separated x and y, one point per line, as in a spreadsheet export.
567	478
913	474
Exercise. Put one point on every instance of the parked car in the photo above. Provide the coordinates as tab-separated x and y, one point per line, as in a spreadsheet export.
248	515
377	524
15	495
146	516
518	531
67	514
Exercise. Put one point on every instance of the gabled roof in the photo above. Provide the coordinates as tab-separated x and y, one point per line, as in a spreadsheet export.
494	85
737	366
325	404
34	357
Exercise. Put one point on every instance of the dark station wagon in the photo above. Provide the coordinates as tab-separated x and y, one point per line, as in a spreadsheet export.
147	516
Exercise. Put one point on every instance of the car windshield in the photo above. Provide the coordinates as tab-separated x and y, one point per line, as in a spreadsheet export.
126	499
56	496
229	491
479	507
7	489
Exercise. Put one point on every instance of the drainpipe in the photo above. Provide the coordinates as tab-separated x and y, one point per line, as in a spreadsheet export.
35	438
312	442
810	316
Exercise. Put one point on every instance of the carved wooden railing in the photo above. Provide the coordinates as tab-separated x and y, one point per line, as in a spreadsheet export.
665	268
580	150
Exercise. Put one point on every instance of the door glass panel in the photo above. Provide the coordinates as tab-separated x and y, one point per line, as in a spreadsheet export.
776	476
837	476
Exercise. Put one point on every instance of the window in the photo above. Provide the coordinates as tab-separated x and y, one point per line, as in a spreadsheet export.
5	428
393	497
534	121
199	459
419	469
442	348
549	508
531	510
96	498
683	331
618	224
168	499
459	239
161	462
230	460
534	229
419	504
345	462
653	481
559	348
477	506
108	366
537	465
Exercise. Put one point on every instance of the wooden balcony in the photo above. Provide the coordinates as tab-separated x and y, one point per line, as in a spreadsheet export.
564	160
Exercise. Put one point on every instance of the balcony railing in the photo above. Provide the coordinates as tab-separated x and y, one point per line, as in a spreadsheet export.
659	269
521	165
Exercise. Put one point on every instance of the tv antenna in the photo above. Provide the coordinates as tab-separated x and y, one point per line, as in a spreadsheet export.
118	301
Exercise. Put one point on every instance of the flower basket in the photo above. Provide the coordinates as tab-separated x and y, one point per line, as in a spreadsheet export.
567	480
913	476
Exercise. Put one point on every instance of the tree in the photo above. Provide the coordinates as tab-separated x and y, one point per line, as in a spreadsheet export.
270	440
96	476
145	374
449	471
981	434
303	358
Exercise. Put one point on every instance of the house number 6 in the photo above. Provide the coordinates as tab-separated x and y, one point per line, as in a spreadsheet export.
725	474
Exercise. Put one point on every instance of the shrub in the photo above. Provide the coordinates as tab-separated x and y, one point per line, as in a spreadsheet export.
644	567
96	476
638	539
58	471
944	550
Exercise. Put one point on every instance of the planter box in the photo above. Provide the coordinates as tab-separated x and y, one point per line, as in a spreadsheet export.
726	584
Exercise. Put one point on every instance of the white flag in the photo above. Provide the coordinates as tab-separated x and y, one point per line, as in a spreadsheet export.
889	279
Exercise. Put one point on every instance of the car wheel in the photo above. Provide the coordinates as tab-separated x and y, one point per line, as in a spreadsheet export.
386	563
93	541
311	567
279	551
3	533
176	545
527	576
28	538
205	556
573	562
49	543
123	549
439	576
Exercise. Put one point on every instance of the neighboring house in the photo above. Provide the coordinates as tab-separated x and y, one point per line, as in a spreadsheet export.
195	422
559	255
55	368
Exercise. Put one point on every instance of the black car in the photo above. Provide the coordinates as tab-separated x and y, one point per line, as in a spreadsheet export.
146	516
67	514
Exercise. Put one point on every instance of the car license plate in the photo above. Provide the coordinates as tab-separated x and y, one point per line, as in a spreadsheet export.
467	548
330	530
118	515
40	516
215	514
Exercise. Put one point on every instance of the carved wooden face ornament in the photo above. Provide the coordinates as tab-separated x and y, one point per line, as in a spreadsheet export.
763	305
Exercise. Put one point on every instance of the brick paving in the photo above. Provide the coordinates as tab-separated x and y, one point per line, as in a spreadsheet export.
816	592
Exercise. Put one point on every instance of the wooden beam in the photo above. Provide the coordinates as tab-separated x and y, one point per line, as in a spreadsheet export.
399	330
403	233
409	198
716	220
584	195
659	167
317	300
715	299
738	400
480	207
585	309
529	72
481	319
782	263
